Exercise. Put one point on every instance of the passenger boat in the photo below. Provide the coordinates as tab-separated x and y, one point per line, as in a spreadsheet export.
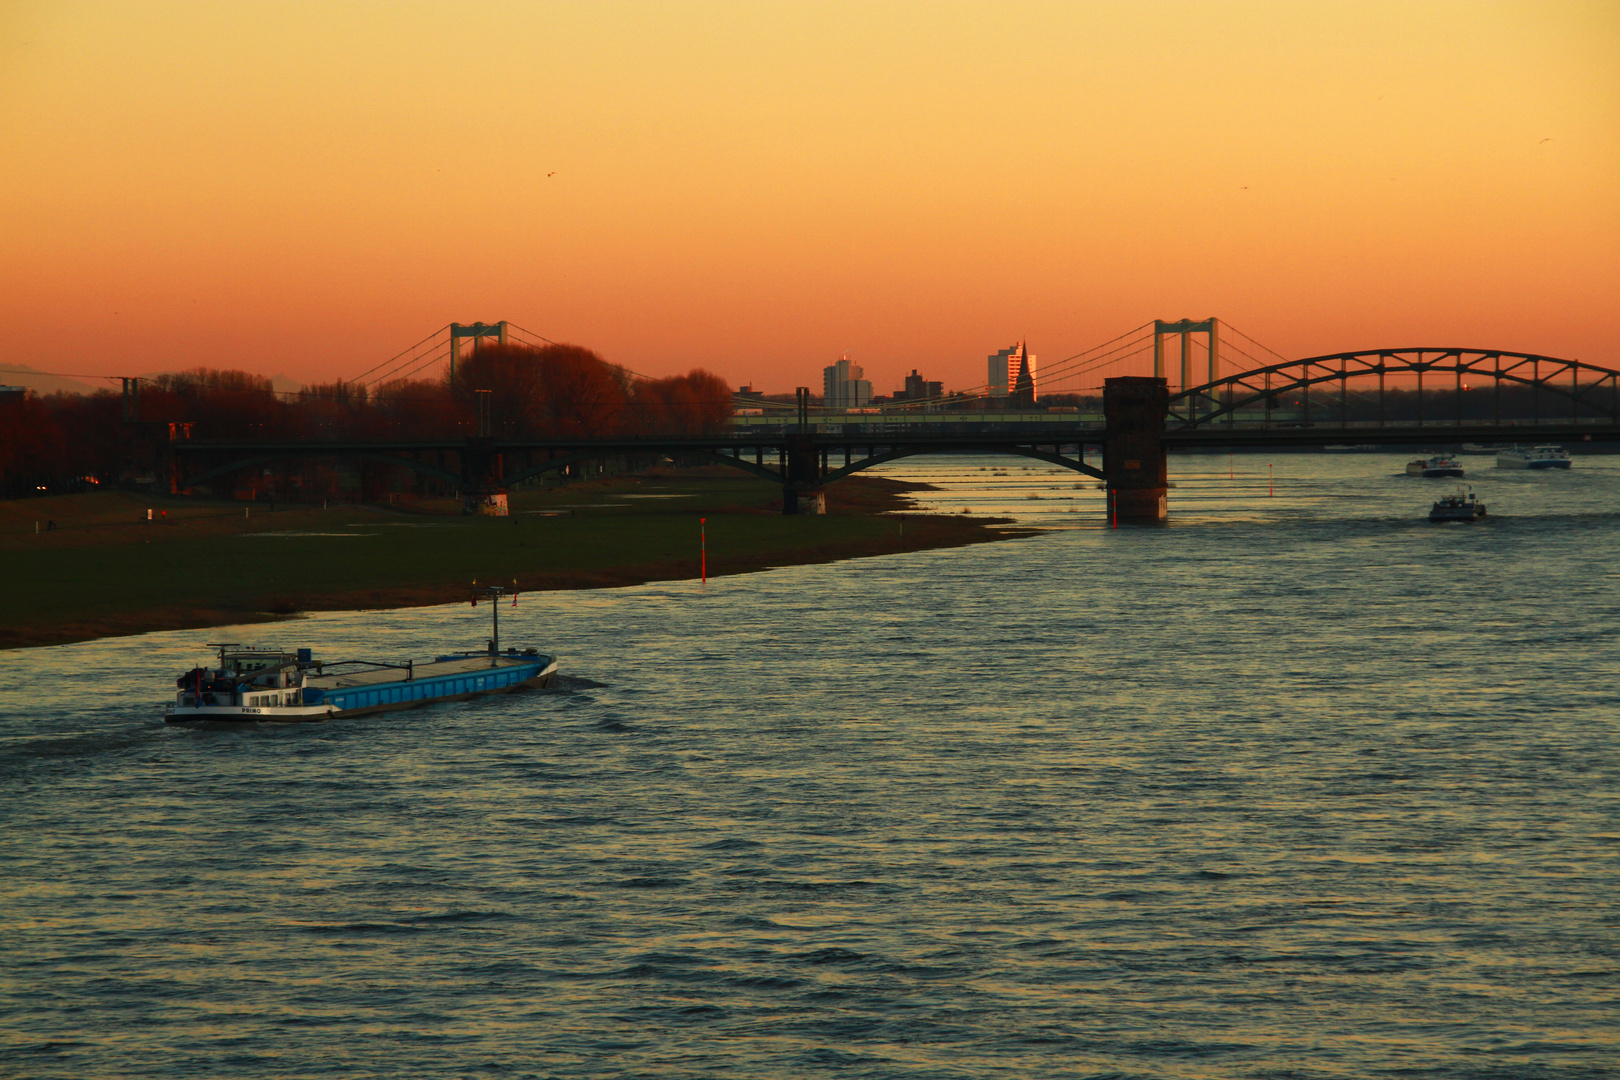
253	684
1534	457
1458	507
1435	465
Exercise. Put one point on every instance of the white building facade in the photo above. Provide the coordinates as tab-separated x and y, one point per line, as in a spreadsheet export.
844	386
1012	374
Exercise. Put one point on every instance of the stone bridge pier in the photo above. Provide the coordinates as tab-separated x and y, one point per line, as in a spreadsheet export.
1133	455
802	490
481	469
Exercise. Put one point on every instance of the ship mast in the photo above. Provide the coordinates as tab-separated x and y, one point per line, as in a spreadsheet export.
493	593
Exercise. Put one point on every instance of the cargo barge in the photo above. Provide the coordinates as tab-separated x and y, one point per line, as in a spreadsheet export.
253	684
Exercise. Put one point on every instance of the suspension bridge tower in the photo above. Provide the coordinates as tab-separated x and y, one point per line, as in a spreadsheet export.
477	331
1186	328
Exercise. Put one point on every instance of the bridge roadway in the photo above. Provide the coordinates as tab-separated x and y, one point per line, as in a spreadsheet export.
808	461
1013	439
802	463
1143	421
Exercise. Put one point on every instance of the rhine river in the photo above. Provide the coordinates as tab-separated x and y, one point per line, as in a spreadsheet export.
1299	786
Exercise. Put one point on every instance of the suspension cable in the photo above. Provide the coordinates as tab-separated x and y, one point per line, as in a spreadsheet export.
401	353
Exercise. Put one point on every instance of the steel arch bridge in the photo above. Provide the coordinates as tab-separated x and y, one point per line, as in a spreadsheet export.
1576	392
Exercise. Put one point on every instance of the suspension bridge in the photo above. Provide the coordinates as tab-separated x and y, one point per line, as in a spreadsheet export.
1419	396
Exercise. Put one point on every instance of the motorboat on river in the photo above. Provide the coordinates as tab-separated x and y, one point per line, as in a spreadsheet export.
1532	457
1462	506
256	684
1434	465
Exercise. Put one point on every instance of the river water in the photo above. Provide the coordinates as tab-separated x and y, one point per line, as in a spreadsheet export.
1298	786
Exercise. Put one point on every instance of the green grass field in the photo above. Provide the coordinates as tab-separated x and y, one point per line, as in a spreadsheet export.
106	570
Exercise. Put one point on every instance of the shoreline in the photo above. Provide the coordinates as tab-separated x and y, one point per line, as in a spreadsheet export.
577	543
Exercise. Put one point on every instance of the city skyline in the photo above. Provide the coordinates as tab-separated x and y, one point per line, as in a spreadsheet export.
913	385
306	189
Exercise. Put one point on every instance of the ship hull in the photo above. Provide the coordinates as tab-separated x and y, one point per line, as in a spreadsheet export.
246	714
1438	465
430	684
1534	458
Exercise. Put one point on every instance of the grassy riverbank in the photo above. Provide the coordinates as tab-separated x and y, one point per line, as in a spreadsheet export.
105	570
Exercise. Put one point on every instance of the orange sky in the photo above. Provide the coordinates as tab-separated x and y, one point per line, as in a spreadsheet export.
307	188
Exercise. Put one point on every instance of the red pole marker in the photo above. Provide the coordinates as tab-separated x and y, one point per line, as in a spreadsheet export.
1271	482
703	546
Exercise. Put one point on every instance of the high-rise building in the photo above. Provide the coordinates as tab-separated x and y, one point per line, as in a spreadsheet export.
844	387
919	389
1012	374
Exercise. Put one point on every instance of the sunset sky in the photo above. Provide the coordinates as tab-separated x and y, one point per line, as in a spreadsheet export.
307	188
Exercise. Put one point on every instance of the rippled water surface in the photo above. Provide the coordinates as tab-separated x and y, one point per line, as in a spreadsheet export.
1300	786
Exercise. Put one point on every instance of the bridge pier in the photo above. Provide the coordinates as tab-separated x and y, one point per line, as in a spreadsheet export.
1133	455
802	491
480	472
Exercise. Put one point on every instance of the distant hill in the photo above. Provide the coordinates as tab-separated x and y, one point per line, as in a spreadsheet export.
281	383
43	383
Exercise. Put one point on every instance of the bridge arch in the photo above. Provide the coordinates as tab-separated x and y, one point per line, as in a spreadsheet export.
895	453
1586	389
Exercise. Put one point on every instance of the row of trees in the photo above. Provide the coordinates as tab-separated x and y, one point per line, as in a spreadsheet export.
569	392
60	441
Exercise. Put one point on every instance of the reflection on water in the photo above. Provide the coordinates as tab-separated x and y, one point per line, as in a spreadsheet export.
1299	786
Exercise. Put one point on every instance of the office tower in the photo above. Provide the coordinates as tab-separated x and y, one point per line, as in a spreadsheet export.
919	389
843	386
1012	375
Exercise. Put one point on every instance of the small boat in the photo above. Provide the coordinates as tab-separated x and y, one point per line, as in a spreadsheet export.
1533	457
1459	507
1480	448
253	684
1434	465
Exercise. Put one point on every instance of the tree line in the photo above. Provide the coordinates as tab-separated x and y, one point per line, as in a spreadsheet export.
61	442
